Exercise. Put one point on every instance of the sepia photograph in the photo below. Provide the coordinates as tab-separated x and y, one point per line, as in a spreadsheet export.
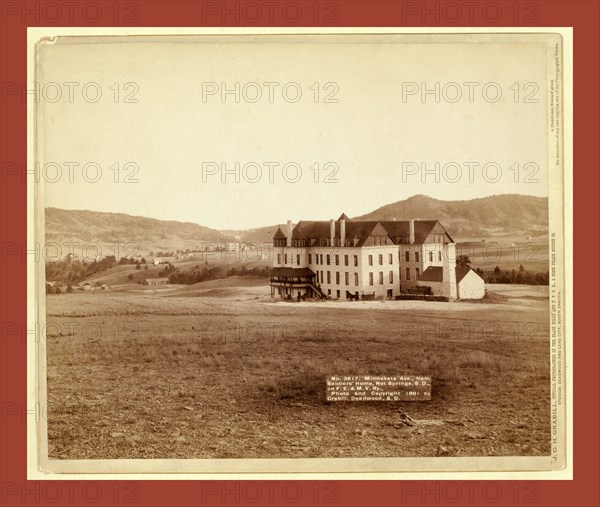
299	252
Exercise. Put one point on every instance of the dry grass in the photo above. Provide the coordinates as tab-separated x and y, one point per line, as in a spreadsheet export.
240	377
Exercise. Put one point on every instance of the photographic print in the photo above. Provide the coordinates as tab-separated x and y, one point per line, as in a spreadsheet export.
288	252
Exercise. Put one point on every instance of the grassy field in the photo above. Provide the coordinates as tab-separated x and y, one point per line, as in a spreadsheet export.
219	370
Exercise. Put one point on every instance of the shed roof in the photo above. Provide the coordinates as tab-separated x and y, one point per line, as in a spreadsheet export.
292	272
435	273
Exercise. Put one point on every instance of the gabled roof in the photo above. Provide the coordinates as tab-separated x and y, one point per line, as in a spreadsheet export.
423	228
362	229
435	274
279	234
343	216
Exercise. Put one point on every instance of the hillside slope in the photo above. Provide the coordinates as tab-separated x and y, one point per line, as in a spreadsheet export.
109	229
504	215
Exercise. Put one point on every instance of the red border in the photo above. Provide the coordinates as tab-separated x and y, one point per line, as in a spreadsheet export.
582	491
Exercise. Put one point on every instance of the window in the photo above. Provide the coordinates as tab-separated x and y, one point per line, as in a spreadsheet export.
347	278
328	259
321	276
407	256
391	277
298	260
381	278
370	278
430	256
416	256
329	292
418	271
356	279
370	260
391	259
337	294
439	256
310	258
356	260
345	260
278	258
328	276
337	260
285	258
381	259
337	277
408	273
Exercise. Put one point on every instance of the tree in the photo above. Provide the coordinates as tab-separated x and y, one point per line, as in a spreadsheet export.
496	270
57	290
130	276
521	268
463	260
69	289
146	266
138	266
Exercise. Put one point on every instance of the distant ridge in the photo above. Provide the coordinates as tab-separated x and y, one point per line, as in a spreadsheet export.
506	214
108	229
487	217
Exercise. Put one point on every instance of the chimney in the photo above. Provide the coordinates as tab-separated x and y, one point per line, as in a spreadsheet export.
342	232
288	233
449	288
412	231
331	232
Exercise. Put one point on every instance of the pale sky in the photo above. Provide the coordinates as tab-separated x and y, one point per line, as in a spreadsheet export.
369	134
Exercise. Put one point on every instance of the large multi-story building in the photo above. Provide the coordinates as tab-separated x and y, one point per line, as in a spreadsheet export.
352	259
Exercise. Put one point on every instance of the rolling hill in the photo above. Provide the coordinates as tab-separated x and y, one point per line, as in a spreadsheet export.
486	218
109	229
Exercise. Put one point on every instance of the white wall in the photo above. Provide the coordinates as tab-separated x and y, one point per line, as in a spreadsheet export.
471	286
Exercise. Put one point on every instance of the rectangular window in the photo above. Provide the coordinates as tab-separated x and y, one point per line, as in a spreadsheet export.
370	278
381	278
328	259
356	260
391	259
298	260
370	260
310	258
381	259
439	256
328	276
407	256
337	277
329	292
345	260
391	277
356	279
337	260
337	294
278	258
418	271
347	278
285	258
416	256
430	256
408	273
321	276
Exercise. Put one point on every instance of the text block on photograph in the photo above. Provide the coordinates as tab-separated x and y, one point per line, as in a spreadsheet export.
378	388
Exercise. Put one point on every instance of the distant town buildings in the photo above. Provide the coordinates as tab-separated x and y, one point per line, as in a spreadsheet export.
355	259
156	281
